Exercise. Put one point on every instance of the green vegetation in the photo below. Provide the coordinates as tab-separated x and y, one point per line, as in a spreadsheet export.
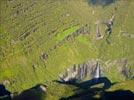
125	85
65	33
29	28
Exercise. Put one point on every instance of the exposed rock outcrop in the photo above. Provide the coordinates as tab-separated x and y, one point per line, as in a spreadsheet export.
125	70
81	71
109	28
96	69
98	32
44	56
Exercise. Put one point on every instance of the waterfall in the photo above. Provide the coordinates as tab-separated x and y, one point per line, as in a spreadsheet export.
97	73
81	71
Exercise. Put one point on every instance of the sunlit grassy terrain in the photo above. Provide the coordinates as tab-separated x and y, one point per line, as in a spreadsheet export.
32	28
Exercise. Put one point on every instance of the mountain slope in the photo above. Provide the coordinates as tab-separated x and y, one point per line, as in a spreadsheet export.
38	41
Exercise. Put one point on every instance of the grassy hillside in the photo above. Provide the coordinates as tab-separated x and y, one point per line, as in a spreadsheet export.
32	46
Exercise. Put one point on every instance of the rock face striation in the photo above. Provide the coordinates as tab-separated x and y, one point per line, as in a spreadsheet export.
96	69
81	71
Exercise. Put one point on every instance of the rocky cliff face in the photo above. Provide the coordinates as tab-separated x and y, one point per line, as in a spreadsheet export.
80	71
95	69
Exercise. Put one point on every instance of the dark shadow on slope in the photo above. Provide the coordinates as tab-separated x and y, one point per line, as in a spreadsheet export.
101	2
85	91
3	90
89	83
118	95
4	93
37	92
83	95
90	95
